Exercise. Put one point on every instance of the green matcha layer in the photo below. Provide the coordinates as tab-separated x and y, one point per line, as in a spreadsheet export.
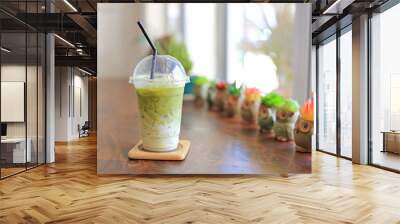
160	105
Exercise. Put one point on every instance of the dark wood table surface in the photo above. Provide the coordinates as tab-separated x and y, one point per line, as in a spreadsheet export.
219	145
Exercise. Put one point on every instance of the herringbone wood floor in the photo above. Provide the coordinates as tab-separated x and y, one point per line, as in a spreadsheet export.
69	191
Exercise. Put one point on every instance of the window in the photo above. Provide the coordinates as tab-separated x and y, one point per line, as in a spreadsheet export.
174	20
346	94
334	106
200	38
251	44
385	89
255	36
22	107
327	97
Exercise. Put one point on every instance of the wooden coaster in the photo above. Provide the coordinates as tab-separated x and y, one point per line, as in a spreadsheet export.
137	152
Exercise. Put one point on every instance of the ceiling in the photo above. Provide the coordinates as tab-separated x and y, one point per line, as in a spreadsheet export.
75	42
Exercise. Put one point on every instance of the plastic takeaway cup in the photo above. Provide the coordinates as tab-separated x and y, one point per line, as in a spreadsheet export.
160	101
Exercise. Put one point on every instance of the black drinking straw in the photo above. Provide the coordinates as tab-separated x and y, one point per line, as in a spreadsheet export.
153	62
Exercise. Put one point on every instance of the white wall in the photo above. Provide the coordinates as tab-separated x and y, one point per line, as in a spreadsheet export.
12	73
81	84
34	125
69	81
62	81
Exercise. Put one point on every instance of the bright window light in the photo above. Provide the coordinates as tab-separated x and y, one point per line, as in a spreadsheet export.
200	38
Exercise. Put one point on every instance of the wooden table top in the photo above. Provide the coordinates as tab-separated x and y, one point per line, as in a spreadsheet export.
219	145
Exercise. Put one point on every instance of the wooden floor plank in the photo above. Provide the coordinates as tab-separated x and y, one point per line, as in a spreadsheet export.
69	191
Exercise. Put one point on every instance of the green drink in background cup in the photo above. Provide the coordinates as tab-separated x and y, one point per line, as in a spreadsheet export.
160	101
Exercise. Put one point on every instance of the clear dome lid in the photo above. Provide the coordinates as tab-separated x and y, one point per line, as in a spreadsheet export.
167	71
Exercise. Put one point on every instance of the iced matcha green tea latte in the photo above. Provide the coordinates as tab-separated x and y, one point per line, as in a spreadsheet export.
160	102
160	107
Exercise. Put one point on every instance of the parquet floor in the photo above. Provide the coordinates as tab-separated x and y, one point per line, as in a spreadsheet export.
10	171
69	191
